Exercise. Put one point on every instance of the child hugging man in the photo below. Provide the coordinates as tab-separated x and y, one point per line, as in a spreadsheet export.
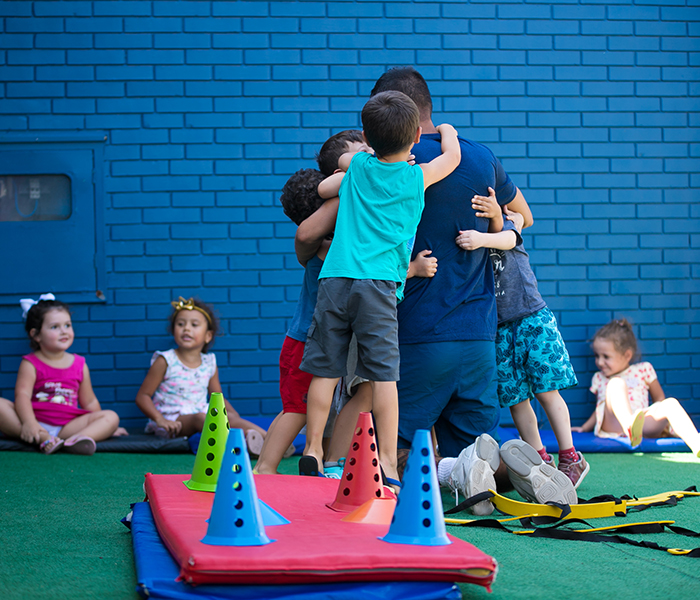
300	199
381	201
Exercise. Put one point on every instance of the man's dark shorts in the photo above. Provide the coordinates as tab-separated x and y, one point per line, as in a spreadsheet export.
451	385
366	307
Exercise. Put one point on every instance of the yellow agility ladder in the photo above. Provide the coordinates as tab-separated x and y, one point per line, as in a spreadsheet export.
551	520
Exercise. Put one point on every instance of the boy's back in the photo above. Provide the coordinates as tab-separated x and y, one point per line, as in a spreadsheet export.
380	207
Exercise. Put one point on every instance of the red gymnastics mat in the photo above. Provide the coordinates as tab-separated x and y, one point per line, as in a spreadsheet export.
316	546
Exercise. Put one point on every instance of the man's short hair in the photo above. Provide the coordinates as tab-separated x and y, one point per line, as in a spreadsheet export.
300	197
334	148
410	82
390	121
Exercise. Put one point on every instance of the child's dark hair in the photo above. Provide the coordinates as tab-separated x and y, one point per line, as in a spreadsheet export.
390	121
334	147
35	318
410	82
620	333
300	197
201	307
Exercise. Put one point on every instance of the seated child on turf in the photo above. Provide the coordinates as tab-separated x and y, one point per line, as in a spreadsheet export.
55	406
175	393
622	394
300	200
530	352
381	201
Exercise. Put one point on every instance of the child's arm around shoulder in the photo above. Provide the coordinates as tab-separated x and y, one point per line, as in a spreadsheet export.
144	397
330	186
441	166
312	231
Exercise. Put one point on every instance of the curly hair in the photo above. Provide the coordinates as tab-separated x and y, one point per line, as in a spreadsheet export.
35	318
334	147
300	197
620	333
212	322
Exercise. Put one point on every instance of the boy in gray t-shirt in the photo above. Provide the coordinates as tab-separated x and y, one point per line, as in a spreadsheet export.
532	359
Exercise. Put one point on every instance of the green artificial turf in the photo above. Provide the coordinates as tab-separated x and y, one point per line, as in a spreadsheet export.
61	535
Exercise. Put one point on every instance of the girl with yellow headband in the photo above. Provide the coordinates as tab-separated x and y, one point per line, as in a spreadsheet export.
175	393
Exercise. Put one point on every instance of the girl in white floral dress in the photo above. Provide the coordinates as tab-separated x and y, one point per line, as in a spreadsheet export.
175	393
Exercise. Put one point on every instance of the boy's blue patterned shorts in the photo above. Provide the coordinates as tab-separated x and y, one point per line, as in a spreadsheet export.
531	358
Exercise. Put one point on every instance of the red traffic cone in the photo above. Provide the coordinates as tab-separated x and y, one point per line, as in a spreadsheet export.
362	478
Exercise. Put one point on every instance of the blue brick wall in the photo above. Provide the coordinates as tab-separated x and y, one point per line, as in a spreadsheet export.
209	106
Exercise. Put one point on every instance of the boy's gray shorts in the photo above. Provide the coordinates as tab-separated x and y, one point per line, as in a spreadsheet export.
366	307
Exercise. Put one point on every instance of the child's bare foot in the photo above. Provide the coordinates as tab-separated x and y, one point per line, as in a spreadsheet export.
390	476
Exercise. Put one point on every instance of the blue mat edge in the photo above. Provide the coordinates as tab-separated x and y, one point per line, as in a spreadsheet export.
588	442
156	573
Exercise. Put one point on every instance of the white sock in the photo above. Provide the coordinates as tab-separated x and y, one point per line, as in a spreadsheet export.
444	469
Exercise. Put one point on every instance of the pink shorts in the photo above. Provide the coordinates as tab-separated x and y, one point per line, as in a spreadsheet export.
294	384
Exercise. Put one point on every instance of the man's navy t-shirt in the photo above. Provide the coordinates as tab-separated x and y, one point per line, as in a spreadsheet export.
458	303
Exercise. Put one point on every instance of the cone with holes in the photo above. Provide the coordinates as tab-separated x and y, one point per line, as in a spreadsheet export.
236	519
211	447
418	518
361	480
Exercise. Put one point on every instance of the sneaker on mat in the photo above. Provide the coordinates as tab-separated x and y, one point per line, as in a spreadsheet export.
532	478
473	472
575	470
334	469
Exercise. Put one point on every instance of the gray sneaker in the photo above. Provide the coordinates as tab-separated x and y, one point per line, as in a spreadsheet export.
535	480
473	472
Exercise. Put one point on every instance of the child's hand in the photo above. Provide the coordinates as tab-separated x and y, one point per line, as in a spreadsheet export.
423	265
120	431
31	432
577	429
517	219
486	206
470	239
172	427
411	159
445	130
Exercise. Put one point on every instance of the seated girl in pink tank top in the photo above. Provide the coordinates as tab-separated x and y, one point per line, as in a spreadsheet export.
55	405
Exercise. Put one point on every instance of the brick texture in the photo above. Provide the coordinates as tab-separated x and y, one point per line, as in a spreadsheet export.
209	106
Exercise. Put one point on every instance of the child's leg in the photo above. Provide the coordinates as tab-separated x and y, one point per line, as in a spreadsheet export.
281	434
347	419
618	415
192	424
10	424
235	421
317	408
97	425
385	407
671	411
526	423
558	415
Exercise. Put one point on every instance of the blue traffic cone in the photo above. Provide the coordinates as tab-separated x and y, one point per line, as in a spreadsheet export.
236	519
418	518
270	516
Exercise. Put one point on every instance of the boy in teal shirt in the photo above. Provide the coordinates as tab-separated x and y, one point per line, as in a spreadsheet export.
381	201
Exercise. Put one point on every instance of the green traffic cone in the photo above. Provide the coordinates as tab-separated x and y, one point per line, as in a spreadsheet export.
212	445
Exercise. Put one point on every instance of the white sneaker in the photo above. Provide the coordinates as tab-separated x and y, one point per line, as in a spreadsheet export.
473	472
535	480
